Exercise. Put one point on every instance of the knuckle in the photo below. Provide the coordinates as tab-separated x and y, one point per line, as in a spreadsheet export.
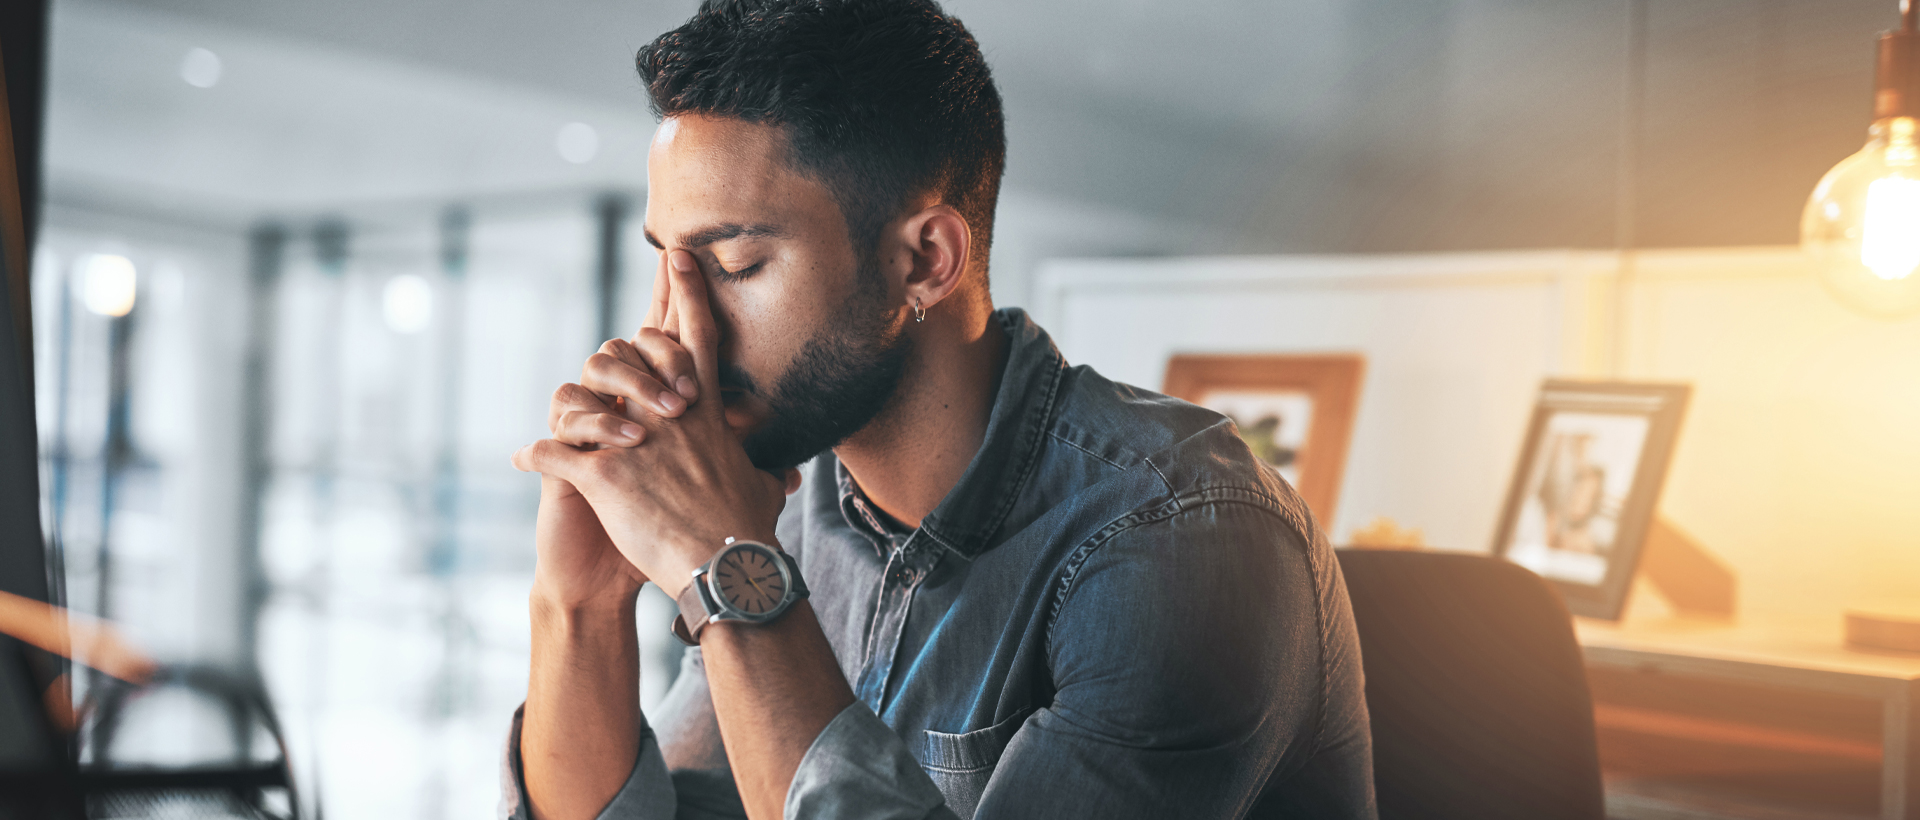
572	395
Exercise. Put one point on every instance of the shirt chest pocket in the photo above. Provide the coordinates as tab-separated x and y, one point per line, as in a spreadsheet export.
960	764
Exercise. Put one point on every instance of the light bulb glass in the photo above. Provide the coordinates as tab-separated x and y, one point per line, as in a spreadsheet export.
1862	224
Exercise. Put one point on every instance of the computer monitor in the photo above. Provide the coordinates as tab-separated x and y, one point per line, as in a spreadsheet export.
35	769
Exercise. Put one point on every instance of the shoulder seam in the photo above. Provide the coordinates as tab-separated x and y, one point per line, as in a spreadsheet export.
1070	570
1055	435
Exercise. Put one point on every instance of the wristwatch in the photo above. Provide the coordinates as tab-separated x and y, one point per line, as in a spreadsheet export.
748	581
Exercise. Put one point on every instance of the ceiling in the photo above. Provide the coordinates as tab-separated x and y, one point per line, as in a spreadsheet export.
1235	126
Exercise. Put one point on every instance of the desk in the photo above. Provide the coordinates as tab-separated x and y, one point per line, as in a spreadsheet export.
1649	675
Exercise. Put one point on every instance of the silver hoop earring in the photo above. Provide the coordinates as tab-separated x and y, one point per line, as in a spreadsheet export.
919	313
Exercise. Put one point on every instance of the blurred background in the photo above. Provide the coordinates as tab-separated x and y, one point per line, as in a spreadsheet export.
307	274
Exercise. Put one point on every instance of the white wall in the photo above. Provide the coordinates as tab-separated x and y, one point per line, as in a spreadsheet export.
1798	463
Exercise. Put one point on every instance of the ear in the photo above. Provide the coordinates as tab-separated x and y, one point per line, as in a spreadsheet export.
938	246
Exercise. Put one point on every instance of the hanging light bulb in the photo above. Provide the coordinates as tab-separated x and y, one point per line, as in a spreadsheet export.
1862	224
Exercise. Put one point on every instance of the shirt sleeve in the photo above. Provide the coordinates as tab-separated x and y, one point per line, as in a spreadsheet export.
647	795
1191	665
859	769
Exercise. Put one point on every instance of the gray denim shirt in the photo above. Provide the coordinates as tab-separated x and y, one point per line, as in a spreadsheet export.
1117	613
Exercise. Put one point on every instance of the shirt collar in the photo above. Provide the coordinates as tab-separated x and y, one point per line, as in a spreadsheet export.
967	519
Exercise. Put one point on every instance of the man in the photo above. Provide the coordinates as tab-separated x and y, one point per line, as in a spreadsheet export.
999	586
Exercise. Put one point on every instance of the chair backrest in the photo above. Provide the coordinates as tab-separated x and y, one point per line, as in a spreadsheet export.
246	778
1475	688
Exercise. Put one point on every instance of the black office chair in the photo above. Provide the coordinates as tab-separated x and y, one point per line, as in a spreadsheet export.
247	778
1475	687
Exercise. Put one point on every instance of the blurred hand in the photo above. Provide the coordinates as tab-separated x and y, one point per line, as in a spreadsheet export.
74	636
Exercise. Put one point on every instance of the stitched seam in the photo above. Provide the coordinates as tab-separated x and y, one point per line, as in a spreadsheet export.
1322	602
1063	440
1164	482
945	770
1070	572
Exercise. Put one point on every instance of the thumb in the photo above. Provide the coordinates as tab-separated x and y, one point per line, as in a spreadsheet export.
776	485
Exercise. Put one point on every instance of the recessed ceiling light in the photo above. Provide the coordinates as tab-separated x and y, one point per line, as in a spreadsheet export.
107	284
408	303
577	142
200	68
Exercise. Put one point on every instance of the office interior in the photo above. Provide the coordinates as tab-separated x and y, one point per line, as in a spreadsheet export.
304	276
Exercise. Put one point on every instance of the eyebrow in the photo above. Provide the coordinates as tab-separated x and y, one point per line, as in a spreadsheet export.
717	233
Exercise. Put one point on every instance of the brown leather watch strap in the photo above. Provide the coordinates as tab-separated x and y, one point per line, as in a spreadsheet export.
693	614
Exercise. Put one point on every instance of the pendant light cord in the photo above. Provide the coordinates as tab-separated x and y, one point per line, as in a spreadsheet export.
1626	185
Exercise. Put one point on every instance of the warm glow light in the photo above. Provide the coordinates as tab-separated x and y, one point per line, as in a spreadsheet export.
1862	224
108	284
408	304
1890	229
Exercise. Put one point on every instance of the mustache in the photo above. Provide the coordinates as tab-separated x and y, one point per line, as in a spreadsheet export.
734	378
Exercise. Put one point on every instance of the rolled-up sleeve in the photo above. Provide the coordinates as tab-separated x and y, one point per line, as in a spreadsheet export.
647	795
859	768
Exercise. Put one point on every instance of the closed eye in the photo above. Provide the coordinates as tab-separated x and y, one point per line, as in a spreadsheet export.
725	275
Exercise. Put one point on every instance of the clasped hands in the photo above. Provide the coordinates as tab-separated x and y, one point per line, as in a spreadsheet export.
644	477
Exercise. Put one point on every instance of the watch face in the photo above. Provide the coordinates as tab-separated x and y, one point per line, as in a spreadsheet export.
749	580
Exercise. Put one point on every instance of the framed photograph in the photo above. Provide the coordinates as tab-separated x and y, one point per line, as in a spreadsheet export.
1587	486
1294	411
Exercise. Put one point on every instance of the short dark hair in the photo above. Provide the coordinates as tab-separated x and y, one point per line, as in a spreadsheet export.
880	100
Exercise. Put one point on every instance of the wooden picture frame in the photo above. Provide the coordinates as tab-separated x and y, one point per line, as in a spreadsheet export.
1328	385
1586	487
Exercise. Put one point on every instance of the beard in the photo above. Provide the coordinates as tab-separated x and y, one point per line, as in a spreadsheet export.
839	382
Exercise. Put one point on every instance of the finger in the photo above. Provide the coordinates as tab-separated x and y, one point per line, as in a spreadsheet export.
582	429
571	398
698	332
662	285
611	375
669	361
552	458
670	325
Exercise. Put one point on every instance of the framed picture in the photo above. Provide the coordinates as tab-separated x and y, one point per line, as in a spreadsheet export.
1295	412
1586	487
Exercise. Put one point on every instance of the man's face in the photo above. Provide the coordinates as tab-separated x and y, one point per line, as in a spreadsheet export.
810	350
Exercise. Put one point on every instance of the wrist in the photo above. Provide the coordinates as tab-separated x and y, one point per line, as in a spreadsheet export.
698	554
552	600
